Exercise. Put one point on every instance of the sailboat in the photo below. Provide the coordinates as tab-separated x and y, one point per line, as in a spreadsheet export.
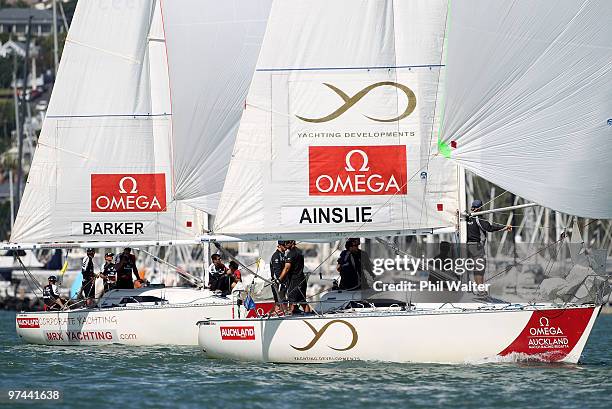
133	153
361	120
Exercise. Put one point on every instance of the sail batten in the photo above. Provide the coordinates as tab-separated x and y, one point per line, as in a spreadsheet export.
59	116
374	67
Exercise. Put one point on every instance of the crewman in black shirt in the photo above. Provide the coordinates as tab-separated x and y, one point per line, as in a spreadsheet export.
349	266
88	273
225	280
293	275
109	272
477	230
216	270
277	264
125	268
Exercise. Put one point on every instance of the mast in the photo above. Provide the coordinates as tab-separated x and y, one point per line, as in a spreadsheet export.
14	198
55	48
23	114
461	226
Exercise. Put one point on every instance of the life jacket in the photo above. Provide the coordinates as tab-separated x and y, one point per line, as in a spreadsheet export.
111	272
87	268
49	294
277	263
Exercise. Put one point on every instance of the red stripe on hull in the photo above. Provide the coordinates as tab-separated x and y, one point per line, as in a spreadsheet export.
551	334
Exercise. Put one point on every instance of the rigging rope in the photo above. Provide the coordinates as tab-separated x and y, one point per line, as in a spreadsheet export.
231	257
526	258
505	191
29	277
189	277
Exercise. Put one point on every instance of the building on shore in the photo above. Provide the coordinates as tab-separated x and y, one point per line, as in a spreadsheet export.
15	21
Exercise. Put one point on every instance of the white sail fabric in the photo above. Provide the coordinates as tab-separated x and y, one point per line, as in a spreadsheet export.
338	133
101	171
529	101
212	51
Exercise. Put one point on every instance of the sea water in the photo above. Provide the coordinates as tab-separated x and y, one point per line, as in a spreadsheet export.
124	377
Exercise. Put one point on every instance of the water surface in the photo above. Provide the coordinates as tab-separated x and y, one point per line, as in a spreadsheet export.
178	377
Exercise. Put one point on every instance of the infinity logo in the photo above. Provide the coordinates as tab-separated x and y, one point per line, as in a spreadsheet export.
319	334
350	101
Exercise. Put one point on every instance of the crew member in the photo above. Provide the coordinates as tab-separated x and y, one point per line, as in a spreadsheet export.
237	284
225	281
353	264
349	267
51	296
216	270
109	272
277	263
87	271
125	268
477	230
293	275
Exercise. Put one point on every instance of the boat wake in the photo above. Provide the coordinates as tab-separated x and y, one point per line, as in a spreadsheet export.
516	357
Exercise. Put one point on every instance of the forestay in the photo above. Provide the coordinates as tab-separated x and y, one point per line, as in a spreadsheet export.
338	133
529	102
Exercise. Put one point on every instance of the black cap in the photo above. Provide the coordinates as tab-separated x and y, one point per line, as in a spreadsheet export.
127	249
89	250
109	254
52	278
281	242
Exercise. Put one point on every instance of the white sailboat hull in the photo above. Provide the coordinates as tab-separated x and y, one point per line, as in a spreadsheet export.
443	336
150	325
172	322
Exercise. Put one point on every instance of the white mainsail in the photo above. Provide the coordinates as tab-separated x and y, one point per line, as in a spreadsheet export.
338	132
529	101
113	164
